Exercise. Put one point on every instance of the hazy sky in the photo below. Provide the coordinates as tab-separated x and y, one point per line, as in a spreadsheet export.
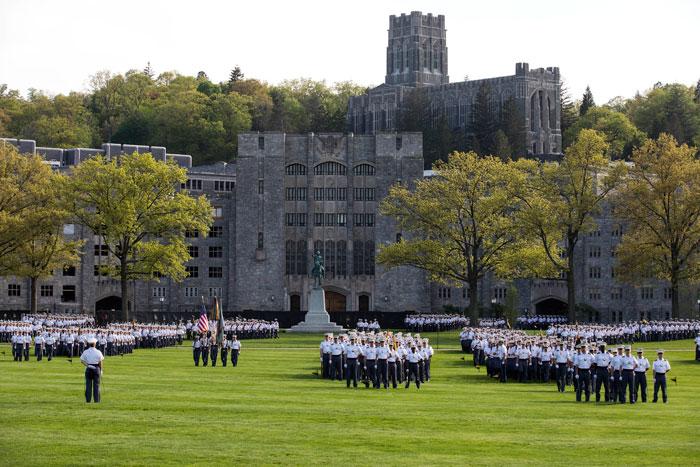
616	46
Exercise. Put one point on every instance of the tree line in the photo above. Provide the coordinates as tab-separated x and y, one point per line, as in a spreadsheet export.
132	204
523	218
187	114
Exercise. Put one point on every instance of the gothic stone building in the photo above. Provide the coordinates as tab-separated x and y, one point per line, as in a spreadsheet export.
416	57
288	195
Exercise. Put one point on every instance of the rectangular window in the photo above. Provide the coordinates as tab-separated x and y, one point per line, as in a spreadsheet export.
261	241
217	212
613	273
261	187
261	142
192	271
216	252
647	293
192	184
594	251
369	220
667	293
46	291
14	290
101	250
216	231
616	293
192	233
222	185
68	293
99	270
342	219
191	292
216	272
594	272
69	271
594	294
193	251
158	292
318	219
215	291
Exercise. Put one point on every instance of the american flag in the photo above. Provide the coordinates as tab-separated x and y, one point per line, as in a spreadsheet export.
203	324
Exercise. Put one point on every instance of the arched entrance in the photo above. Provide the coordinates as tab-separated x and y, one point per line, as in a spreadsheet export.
335	301
551	306
363	303
295	302
108	309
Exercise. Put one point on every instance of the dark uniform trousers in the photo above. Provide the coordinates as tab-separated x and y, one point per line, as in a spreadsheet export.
584	384
336	370
351	373
371	367
545	366
214	350
205	356
627	385
49	352
522	370
602	379
325	365
196	353
616	386
26	352
660	382
413	371
224	356
427	368
640	382
92	383
392	373
382	373
234	357
38	352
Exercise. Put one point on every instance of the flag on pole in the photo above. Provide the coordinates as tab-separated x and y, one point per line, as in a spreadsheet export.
219	322
203	324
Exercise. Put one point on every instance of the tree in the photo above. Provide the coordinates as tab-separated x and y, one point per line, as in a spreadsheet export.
587	102
620	134
568	114
43	247
484	124
560	201
459	224
236	75
148	71
697	92
512	125
659	204
22	189
502	147
131	203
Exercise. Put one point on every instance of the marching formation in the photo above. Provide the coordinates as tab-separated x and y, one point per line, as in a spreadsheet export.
206	347
52	335
376	359
578	356
539	321
435	322
243	328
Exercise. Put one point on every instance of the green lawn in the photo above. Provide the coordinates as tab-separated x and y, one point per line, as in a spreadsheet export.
159	409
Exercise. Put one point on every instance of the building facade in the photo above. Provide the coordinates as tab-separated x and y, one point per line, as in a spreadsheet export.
417	59
288	196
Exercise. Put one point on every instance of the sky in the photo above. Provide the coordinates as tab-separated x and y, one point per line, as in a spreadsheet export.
618	47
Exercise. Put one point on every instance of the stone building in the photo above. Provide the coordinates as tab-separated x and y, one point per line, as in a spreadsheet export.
417	58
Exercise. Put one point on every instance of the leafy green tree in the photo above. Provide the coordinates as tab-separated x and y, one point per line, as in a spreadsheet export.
512	125
560	202
659	204
620	134
568	115
132	204
484	124
587	102
459	224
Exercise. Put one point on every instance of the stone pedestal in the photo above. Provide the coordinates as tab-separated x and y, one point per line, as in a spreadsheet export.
317	318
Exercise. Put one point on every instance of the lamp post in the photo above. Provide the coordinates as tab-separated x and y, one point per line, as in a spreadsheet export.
162	299
493	307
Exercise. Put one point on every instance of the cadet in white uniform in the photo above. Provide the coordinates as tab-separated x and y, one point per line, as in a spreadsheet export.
697	348
640	375
627	376
660	368
584	361
92	359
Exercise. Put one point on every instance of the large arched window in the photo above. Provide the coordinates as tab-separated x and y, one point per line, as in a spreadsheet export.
363	258
533	103
296	169
363	169
290	257
330	168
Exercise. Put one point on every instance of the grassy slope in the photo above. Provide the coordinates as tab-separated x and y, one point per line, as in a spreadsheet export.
158	408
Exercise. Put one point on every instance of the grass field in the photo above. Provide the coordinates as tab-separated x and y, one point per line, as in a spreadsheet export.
159	409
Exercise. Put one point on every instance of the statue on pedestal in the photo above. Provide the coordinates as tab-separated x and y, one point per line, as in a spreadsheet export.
319	271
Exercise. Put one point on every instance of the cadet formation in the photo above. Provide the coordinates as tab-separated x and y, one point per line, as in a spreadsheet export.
243	328
581	357
205	347
377	360
436	322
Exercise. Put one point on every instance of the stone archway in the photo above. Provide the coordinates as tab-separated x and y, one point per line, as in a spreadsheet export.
108	308
551	306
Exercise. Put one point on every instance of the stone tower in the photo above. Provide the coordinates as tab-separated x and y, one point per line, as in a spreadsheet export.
417	50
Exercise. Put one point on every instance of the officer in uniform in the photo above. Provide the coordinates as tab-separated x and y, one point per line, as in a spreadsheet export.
697	347
336	359
545	358
204	341
352	353
523	362
616	366
627	376
393	366
561	360
224	351
413	359
92	359
214	350
640	375
584	361
382	368
196	350
602	373
660	368
38	347
235	346
325	350
371	364
50	341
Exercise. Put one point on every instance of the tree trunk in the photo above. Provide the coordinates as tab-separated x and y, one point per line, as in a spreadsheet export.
32	295
125	289
571	285
674	293
473	302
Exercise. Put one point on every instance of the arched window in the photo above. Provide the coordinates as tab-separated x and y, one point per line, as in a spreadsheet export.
542	109
363	169
369	258
330	168
296	169
533	104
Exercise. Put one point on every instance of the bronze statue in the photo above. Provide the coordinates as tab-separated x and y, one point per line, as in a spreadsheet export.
319	271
